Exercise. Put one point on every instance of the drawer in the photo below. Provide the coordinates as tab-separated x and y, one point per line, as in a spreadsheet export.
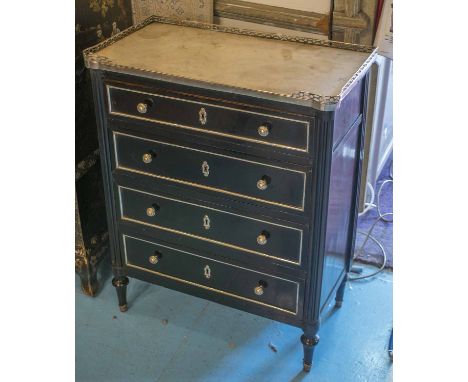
220	173
217	276
254	236
206	118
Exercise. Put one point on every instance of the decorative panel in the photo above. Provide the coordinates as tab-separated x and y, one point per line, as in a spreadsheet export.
320	6
198	10
95	20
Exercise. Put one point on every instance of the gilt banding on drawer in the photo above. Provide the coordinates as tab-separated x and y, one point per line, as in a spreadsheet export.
256	127
217	276
253	236
230	175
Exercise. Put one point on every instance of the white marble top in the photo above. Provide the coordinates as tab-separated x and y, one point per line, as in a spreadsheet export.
282	68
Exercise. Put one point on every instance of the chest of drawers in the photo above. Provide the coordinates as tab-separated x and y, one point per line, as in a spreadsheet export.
231	164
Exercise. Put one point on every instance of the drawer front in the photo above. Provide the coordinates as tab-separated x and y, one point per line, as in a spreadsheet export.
246	234
220	277
291	134
221	173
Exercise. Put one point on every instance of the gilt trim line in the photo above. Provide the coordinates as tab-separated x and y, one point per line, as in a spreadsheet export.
207	287
208	188
176	231
222	243
306	124
119	167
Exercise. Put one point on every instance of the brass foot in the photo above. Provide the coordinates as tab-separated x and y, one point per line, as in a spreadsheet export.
307	367
123	308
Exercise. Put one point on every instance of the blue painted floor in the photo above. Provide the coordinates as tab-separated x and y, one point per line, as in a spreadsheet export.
169	336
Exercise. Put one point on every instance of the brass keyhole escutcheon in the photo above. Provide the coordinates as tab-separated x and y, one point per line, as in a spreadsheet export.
205	169
206	222
207	271
203	116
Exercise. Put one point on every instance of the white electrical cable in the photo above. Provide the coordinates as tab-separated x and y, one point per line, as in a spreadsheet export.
378	201
369	236
369	205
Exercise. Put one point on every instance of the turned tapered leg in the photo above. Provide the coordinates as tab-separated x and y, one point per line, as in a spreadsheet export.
309	342
340	293
120	283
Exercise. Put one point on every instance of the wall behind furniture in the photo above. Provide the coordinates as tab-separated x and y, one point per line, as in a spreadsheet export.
198	10
321	6
352	20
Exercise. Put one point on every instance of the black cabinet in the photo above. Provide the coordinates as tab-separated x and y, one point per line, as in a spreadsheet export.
92	25
240	194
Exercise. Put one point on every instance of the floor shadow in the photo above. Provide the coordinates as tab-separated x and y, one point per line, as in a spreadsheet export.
104	270
300	376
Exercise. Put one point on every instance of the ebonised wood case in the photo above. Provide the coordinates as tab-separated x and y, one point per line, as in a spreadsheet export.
222	183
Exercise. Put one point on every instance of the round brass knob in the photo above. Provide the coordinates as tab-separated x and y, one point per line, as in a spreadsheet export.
147	158
263	130
142	107
259	290
262	184
154	259
262	239
151	211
